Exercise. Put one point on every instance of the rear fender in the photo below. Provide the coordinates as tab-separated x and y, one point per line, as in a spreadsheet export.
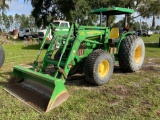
122	37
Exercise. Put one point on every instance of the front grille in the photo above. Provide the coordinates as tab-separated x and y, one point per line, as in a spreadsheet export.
40	34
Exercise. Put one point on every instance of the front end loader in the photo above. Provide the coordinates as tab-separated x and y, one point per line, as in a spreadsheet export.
95	49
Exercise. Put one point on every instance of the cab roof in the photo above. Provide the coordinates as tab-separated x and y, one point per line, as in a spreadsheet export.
59	21
112	11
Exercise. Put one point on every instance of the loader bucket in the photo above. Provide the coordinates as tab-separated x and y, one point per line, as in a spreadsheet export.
40	91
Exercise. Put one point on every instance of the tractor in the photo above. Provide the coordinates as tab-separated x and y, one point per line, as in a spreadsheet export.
93	48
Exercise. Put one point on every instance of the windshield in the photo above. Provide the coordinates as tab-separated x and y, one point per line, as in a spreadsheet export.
56	23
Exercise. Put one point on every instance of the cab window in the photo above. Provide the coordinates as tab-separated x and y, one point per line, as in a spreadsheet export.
62	25
27	30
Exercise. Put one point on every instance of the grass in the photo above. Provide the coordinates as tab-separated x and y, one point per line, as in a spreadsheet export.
152	38
125	96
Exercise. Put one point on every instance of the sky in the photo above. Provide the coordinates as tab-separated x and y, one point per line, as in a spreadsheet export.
19	7
148	20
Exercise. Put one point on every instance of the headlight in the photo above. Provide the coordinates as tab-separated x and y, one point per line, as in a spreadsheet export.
57	45
47	39
63	41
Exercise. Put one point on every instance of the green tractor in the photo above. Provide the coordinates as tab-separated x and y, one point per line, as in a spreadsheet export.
95	48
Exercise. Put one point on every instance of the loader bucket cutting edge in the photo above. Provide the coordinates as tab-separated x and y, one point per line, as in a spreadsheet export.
40	91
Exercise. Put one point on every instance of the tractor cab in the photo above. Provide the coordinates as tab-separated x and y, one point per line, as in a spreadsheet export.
114	33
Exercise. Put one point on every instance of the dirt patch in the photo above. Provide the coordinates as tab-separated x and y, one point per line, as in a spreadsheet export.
150	68
121	90
151	64
80	81
158	112
114	102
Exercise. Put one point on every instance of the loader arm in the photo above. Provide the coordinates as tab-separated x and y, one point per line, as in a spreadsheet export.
92	37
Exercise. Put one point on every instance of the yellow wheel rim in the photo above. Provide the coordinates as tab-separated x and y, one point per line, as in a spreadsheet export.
103	68
138	54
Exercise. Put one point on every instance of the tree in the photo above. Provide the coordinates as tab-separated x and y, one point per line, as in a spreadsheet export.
144	25
155	11
31	21
10	19
77	10
3	5
24	23
136	26
42	9
119	23
150	8
5	20
17	21
1	21
71	10
158	27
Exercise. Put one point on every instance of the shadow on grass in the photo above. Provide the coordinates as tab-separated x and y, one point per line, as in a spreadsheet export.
152	45
33	47
74	80
79	79
3	84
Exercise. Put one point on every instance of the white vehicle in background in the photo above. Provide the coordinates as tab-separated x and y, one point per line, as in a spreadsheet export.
57	23
27	33
24	33
149	32
145	33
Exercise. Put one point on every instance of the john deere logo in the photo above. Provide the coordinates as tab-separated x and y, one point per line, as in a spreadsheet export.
93	33
82	33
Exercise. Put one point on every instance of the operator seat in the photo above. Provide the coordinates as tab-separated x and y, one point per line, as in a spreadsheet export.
114	35
113	40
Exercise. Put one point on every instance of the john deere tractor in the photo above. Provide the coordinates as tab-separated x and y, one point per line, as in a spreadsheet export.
96	49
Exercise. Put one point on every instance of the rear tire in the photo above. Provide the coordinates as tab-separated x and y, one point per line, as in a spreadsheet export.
131	53
2	56
98	67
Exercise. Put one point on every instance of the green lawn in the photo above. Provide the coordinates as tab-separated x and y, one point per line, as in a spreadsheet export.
125	96
152	38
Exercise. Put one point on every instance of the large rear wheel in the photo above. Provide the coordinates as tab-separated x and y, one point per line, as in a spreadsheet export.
98	67
131	53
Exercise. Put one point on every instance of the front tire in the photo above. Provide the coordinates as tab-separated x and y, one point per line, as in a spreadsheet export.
98	67
131	53
24	37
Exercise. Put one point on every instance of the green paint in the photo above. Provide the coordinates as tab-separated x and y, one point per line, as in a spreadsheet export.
68	42
113	11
